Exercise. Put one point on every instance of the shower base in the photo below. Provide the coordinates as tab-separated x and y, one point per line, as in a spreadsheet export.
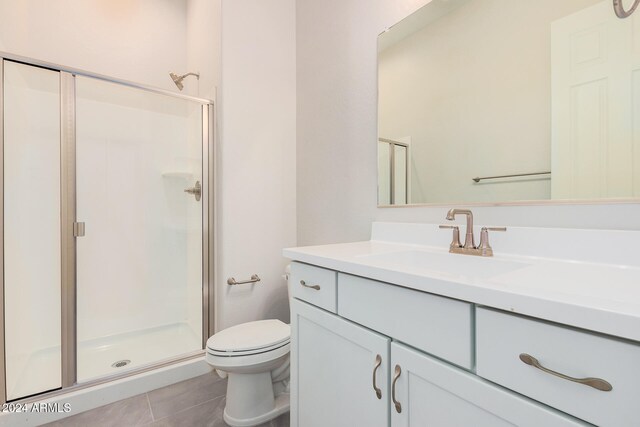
96	357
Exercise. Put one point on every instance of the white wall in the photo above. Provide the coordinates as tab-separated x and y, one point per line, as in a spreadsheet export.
203	46
336	133
256	158
140	41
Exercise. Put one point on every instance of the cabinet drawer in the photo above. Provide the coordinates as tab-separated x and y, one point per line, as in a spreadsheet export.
436	325
315	285
502	338
433	393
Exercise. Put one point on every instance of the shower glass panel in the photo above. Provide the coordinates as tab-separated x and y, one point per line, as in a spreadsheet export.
31	223
384	168
400	177
393	174
139	263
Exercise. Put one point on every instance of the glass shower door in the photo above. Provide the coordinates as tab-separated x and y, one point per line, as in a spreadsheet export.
139	172
31	225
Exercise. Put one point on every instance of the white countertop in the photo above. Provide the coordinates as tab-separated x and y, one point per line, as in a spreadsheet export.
602	297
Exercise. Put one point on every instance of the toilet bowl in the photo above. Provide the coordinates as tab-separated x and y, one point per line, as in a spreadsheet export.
255	358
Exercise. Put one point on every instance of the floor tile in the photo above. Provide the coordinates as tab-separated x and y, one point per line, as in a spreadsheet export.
128	412
210	414
175	398
207	414
281	421
178	405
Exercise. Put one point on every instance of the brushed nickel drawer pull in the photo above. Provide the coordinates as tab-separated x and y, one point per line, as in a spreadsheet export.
396	375
375	369
596	383
316	287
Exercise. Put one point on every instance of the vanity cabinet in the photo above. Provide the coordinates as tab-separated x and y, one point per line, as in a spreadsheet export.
346	374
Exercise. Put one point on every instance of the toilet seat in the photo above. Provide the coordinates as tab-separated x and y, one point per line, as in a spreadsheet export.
248	352
247	362
250	338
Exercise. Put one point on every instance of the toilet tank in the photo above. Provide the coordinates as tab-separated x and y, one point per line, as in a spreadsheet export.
287	276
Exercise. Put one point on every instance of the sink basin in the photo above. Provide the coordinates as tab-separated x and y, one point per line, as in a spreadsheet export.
453	265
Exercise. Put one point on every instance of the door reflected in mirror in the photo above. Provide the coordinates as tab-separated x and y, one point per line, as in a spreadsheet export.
492	101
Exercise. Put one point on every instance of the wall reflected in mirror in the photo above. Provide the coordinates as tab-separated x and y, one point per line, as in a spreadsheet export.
509	100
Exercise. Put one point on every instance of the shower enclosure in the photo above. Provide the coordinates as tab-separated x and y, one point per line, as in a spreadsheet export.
105	228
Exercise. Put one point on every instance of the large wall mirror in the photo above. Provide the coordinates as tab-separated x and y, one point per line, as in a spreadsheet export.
494	101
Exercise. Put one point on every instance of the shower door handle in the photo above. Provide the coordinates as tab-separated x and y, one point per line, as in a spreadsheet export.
78	229
196	190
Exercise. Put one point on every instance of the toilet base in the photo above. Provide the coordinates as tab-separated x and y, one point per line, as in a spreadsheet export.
281	406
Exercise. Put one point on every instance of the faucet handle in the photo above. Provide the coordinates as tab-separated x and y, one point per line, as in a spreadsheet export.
455	242
485	247
494	228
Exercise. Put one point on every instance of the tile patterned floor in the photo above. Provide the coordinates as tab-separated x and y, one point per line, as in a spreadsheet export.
197	402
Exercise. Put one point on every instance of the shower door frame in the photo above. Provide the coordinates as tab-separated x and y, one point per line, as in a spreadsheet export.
68	218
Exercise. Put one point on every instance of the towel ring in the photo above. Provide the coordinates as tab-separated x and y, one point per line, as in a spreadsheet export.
619	8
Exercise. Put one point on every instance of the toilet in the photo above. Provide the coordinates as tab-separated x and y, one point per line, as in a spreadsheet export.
255	358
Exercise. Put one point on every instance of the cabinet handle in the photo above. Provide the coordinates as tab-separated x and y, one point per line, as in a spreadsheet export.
596	383
396	375
316	287
375	369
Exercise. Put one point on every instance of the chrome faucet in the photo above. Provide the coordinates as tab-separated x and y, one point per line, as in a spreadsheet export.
469	247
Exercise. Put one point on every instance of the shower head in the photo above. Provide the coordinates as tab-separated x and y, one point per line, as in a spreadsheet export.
178	79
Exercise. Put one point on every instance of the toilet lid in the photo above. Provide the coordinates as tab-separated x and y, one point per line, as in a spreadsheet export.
250	336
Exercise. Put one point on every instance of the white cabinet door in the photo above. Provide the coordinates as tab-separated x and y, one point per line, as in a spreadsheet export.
333	366
432	393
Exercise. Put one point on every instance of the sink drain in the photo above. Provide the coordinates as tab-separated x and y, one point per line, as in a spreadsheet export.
120	363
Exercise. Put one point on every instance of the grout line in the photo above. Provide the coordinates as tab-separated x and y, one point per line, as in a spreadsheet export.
190	407
153	417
